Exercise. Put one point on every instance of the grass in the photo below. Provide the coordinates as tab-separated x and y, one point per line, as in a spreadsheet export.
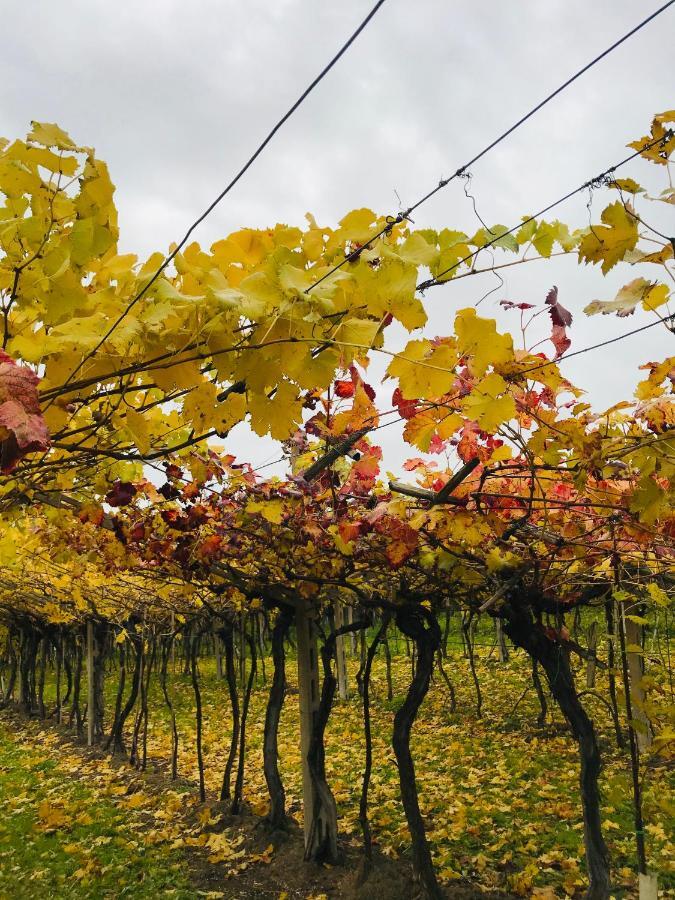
60	838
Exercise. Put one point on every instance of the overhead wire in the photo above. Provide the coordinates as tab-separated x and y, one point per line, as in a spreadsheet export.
231	184
592	182
405	214
606	343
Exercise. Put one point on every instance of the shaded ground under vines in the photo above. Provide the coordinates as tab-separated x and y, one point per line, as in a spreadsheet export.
499	793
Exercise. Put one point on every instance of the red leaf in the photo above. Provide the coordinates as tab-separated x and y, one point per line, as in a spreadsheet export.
210	546
137	532
121	493
168	491
411	464
563	490
22	428
403	541
559	315
560	340
436	445
508	304
90	512
344	388
406	408
349	531
367	468
370	391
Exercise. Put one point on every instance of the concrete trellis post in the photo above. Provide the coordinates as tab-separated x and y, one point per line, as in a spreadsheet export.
309	691
636	669
592	641
343	688
219	659
352	635
173	643
91	694
648	886
308	688
60	650
502	649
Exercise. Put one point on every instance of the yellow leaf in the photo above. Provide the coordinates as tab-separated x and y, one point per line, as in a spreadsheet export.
499	559
52	817
609	243
489	404
138	428
51	136
424	370
479	341
658	595
230	412
135	801
357	335
271	510
649	293
501	453
279	416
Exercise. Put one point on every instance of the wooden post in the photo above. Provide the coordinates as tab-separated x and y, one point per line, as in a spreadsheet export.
343	689
91	695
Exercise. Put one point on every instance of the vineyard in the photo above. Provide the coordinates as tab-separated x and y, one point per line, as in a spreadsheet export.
336	681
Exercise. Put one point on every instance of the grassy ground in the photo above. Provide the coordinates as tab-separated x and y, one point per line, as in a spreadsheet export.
67	831
499	793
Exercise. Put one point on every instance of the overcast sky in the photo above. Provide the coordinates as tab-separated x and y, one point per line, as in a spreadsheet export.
175	96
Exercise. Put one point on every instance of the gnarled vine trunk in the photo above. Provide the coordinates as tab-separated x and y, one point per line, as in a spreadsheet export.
525	632
193	653
322	844
363	804
421	626
166	650
276	817
13	668
227	635
237	796
101	630
116	738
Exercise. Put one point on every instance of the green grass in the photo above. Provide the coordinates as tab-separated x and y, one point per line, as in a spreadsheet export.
58	838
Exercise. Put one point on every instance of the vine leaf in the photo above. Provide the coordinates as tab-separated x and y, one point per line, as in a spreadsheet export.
22	428
650	293
608	244
559	315
561	341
